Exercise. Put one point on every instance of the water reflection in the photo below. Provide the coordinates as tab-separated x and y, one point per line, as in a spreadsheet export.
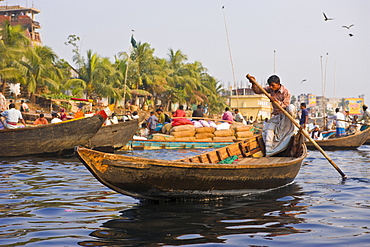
178	223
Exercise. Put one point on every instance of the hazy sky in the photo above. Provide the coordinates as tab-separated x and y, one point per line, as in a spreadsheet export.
295	29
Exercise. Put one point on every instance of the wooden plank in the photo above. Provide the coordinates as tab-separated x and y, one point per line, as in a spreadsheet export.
242	150
228	151
219	155
209	158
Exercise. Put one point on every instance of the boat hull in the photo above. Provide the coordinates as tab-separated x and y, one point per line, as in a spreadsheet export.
49	139
342	143
161	179
113	136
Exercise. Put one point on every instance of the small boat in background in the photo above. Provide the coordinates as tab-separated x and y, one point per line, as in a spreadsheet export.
342	143
113	136
161	144
59	138
234	170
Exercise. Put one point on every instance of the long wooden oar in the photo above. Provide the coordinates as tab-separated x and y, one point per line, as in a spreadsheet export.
252	80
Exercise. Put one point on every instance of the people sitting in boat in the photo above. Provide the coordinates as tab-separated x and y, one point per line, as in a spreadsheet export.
315	133
127	116
160	115
41	120
79	113
179	112
152	122
24	107
135	115
12	116
62	114
250	120
55	118
114	118
278	130
228	116
365	117
340	123
198	113
239	117
353	126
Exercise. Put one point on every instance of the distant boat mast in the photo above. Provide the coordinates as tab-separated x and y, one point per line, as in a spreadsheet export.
231	59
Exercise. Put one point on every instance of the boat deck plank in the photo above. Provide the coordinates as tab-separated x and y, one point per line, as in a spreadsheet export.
263	160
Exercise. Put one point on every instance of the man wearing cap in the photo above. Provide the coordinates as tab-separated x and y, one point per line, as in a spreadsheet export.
365	117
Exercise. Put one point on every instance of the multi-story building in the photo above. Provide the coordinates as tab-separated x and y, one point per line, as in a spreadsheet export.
17	15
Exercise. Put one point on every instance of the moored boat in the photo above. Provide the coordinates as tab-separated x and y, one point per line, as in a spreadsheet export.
342	143
59	138
160	144
234	170
113	136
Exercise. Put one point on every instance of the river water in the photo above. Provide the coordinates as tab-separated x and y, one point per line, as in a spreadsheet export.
57	202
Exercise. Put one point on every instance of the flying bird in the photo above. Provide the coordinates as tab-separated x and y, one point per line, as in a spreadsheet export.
303	81
223	7
350	35
348	27
326	18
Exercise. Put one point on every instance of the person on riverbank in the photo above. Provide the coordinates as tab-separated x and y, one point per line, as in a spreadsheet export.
198	113
365	117
340	123
228	116
24	107
12	116
41	120
63	115
278	130
3	103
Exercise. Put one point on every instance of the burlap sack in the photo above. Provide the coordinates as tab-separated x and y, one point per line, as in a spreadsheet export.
186	127
205	130
222	133
244	134
224	138
167	128
242	128
185	139
189	133
236	124
162	137
204	135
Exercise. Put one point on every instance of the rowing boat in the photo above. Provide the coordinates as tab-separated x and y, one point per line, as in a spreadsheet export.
59	138
342	143
234	170
168	144
114	136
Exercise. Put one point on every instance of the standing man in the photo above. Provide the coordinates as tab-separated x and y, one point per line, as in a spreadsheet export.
152	122
303	121
365	117
12	116
340	123
278	130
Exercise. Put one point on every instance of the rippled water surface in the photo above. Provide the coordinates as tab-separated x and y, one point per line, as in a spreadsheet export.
57	202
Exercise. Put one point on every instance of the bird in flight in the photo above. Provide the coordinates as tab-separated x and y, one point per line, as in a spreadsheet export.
348	27
223	7
350	35
303	81
326	18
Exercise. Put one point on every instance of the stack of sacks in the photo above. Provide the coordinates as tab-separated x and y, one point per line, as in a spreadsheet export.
224	133
242	131
204	134
183	132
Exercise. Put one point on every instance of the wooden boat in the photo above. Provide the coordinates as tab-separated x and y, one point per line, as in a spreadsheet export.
342	143
160	144
50	138
113	136
200	176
